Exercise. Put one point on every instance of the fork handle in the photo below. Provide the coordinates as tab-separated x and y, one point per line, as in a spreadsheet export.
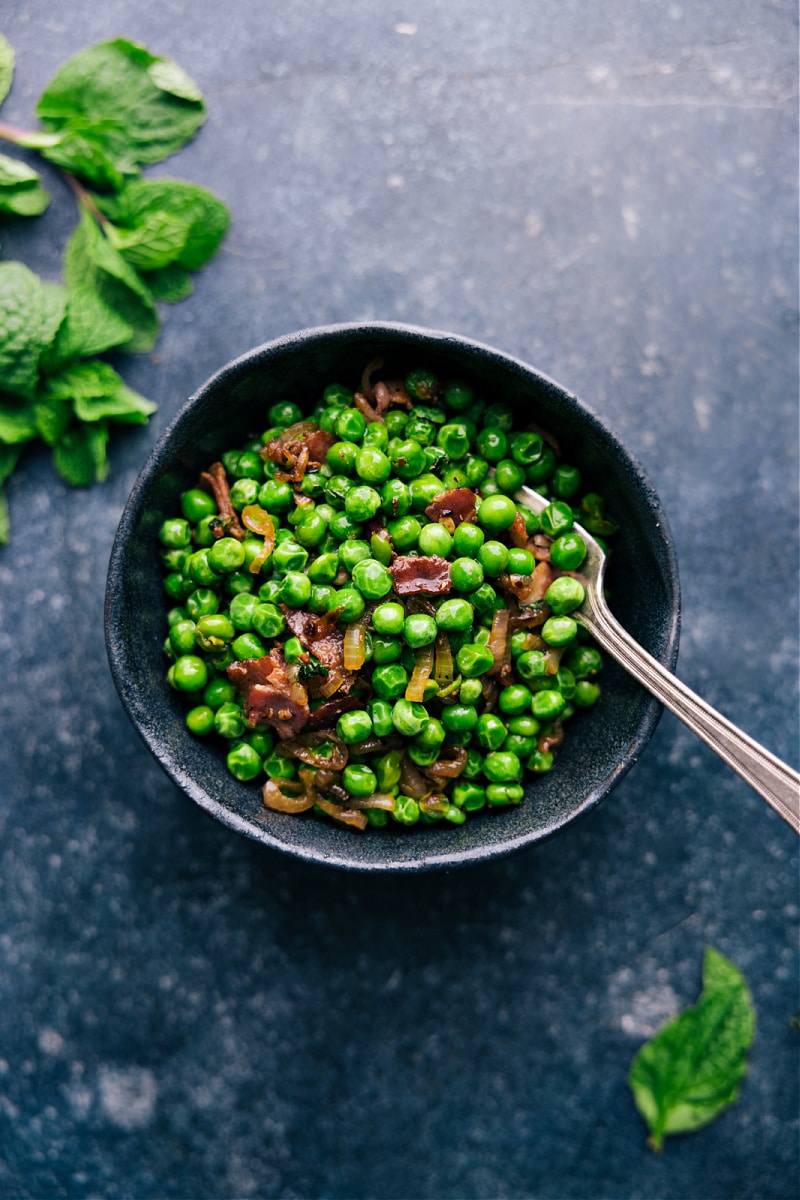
774	781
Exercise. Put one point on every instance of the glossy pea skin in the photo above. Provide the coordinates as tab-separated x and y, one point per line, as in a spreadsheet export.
568	551
404	533
372	465
353	552
468	539
559	631
408	718
390	681
586	694
354	726
388	618
372	579
497	513
490	731
520	562
474	660
351	603
189	673
361	503
175	533
502	766
435	539
380	712
295	589
459	718
564	595
547	705
466	574
455	615
492	444
200	720
408	459
556	519
585	662
514	700
196	504
243	762
509	475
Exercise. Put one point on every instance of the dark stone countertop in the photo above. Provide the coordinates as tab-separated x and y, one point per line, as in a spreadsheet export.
610	192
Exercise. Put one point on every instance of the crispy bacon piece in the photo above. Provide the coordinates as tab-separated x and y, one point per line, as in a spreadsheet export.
299	447
322	636
528	589
458	504
326	716
215	480
430	574
271	697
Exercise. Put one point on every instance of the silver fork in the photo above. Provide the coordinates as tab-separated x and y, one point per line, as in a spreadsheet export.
774	781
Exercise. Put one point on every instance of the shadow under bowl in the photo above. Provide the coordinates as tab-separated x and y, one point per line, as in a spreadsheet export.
601	745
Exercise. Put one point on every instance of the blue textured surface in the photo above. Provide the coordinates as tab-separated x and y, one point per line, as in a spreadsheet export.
609	192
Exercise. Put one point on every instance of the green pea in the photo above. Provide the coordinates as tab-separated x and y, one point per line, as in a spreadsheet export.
267	620
468	539
422	385
311	529
284	413
422	756
470	797
584	661
343	528
490	731
540	761
239	581
229	721
406	810
566	482
504	793
547	705
395	498
509	475
380	712
520	562
564	595
275	495
362	503
175	533
474	660
289	556
404	533
390	681
372	465
219	691
354	726
424	490
532	664
372	579
592	516
476	468
408	718
380	544
455	615
492	444
295	589
293	649
353	552
568	551
241	610
322	598
559	631
351	604
215	628
227	554
182	636
496	513
486	600
388	618
526	448
419	630
408	458
514	700
502	766
466	574
435	539
243	762
189	673
248	645
350	425
388	769
243	492
542	468
454	440
586	693
459	718
200	720
196	504
323	568
278	767
524	726
556	519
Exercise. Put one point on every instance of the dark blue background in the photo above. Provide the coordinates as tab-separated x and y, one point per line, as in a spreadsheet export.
609	191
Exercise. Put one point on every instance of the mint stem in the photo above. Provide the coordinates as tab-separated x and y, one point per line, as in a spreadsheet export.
85	198
33	139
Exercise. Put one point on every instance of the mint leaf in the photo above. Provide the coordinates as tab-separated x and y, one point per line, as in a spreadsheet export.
17	420
117	105
6	67
96	392
21	192
162	221
692	1069
169	284
54	307
80	455
8	460
21	311
90	261
89	327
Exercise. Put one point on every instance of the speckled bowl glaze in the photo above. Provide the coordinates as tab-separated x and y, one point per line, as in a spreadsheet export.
600	746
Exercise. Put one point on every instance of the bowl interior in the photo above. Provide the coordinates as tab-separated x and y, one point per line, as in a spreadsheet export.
600	746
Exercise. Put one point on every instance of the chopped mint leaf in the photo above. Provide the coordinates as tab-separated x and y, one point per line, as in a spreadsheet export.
89	327
161	221
692	1069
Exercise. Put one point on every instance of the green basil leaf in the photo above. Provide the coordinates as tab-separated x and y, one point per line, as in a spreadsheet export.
80	454
21	312
692	1069
90	261
175	221
6	67
124	104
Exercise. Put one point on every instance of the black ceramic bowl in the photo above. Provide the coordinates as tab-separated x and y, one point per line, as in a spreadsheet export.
601	745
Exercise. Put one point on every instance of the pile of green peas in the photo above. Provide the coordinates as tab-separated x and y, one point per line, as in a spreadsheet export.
337	532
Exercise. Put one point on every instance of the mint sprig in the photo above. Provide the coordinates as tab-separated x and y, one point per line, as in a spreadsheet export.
693	1068
109	111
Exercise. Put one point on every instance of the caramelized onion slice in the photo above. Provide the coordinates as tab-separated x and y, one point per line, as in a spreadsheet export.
280	801
347	816
308	748
355	644
423	669
498	639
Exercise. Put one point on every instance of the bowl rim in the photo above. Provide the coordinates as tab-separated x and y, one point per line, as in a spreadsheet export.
484	851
